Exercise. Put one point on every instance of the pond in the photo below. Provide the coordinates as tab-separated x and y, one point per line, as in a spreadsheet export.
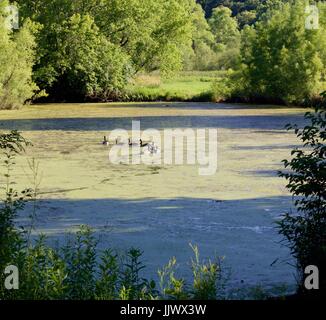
163	208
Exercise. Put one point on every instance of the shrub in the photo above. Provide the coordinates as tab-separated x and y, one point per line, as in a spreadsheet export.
11	238
207	278
305	232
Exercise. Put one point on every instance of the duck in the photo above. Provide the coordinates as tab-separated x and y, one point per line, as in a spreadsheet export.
131	144
105	141
118	142
143	144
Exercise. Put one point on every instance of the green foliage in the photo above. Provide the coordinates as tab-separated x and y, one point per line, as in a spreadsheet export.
207	278
91	65
13	142
186	86
216	41
281	60
247	12
42	273
11	241
305	232
227	38
224	27
133	287
93	49
80	258
202	55
89	49
171	286
17	56
107	285
227	88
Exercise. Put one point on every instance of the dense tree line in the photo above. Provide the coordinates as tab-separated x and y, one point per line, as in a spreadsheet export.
247	12
91	49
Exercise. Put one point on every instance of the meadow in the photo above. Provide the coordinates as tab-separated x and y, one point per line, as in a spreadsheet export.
184	86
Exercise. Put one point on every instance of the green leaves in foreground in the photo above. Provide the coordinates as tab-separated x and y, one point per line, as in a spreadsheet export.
305	231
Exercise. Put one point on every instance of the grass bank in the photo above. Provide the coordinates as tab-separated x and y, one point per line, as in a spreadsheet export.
186	86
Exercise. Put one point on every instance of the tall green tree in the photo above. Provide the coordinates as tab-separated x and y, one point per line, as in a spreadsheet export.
282	60
227	37
131	36
247	12
202	54
88	64
224	27
17	56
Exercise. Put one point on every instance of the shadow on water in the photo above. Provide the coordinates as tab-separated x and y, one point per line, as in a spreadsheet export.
263	122
261	173
262	148
181	213
242	230
199	106
177	105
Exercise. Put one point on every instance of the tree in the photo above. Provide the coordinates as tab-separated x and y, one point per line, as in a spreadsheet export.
282	60
131	36
305	232
227	37
224	27
90	66
201	55
17	56
247	12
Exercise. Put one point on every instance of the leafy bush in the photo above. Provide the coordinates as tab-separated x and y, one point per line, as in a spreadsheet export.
281	61
11	238
305	232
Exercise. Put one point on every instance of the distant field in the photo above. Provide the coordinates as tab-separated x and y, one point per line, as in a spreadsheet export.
187	86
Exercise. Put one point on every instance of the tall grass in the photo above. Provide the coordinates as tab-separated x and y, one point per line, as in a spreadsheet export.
186	86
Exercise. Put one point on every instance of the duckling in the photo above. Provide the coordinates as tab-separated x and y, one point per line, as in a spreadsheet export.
118	142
